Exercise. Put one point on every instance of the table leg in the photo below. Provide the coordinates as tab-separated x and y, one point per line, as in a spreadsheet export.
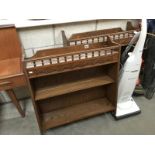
12	95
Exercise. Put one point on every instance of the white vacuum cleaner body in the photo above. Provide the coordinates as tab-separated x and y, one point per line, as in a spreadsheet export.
129	75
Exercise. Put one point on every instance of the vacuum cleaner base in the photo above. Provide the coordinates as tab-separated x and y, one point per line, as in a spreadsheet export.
127	109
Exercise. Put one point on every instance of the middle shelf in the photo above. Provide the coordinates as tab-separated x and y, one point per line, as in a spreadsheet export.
64	83
51	91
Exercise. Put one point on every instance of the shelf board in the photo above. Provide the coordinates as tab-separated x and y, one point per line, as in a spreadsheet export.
46	92
76	112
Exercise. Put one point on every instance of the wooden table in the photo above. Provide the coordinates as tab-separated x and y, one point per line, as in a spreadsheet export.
11	68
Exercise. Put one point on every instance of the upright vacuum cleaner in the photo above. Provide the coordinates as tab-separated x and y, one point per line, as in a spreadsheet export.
131	63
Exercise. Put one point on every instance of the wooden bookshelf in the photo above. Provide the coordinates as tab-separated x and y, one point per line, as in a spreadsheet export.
117	35
72	83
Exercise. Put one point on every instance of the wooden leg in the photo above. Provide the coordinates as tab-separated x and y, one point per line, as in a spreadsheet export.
12	95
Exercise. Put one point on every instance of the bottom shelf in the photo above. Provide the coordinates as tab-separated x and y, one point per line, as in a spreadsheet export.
76	112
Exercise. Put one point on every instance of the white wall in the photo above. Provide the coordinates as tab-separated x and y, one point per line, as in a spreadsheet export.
43	37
